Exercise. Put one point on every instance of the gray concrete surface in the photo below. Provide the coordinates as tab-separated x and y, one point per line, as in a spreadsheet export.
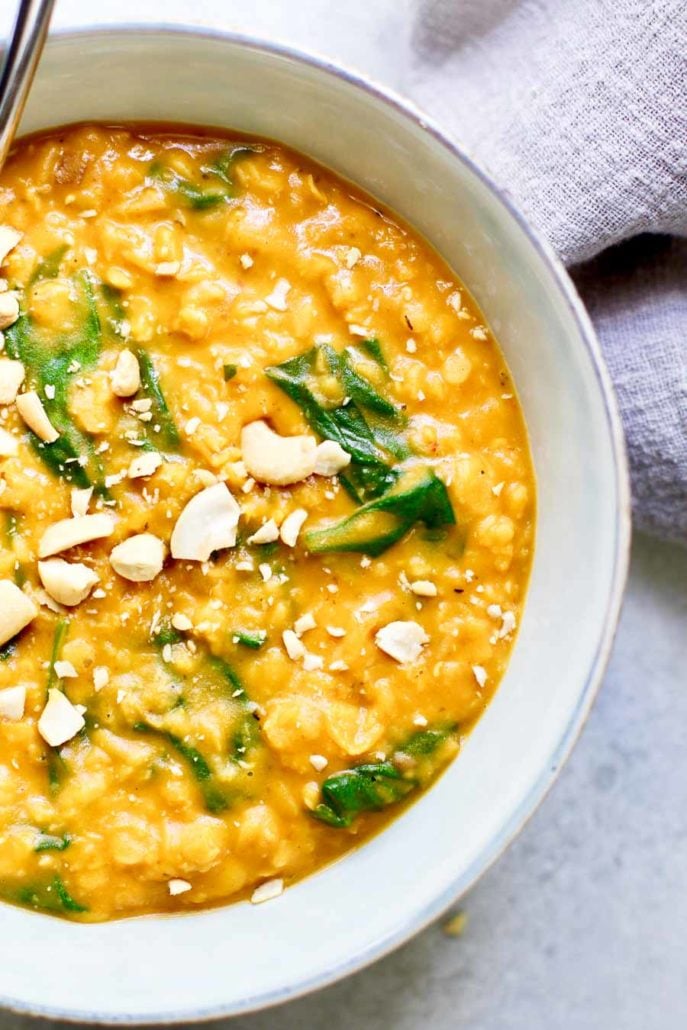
582	925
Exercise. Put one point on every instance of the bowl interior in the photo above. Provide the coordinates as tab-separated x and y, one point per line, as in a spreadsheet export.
232	959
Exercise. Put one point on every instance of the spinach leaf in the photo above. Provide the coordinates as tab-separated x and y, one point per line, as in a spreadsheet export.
8	650
229	372
49	267
373	349
51	897
418	496
360	389
113	311
213	796
66	900
52	360
254	639
218	185
11	532
246	735
365	788
57	769
11	525
215	799
216	675
425	742
61	630
366	424
371	787
50	842
166	634
150	382
56	766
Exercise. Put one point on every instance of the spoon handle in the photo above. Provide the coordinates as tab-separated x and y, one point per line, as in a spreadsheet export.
23	53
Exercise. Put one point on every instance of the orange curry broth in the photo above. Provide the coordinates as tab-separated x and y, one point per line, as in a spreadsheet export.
200	772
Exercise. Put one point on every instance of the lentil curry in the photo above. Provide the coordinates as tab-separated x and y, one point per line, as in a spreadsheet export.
267	514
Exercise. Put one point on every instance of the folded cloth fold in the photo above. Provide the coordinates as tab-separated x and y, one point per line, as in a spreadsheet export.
579	110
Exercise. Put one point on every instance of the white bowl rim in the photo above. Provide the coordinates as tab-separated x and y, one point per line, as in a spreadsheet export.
417	920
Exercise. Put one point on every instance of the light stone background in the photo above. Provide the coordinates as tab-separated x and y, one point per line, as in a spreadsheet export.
582	925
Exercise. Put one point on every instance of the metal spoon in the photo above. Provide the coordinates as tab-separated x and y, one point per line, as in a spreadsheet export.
23	54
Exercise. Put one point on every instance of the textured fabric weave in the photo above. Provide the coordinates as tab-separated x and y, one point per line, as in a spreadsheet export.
579	110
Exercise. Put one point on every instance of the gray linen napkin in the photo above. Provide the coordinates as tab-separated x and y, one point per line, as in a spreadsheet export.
578	108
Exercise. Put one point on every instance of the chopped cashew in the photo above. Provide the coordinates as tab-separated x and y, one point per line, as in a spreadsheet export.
480	674
140	558
277	298
292	525
12	375
177	886
9	445
182	622
72	532
16	610
65	670
402	640
9	310
330	458
168	269
12	703
67	584
9	238
60	720
125	377
208	523
144	465
305	623
295	648
267	891
80	500
101	677
30	407
423	588
280	460
267	534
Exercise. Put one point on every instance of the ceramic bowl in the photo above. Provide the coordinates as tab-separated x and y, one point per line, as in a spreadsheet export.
243	957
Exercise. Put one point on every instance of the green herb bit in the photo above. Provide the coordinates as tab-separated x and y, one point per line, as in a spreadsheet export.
61	630
150	381
365	788
418	496
219	188
49	842
52	897
254	639
229	372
